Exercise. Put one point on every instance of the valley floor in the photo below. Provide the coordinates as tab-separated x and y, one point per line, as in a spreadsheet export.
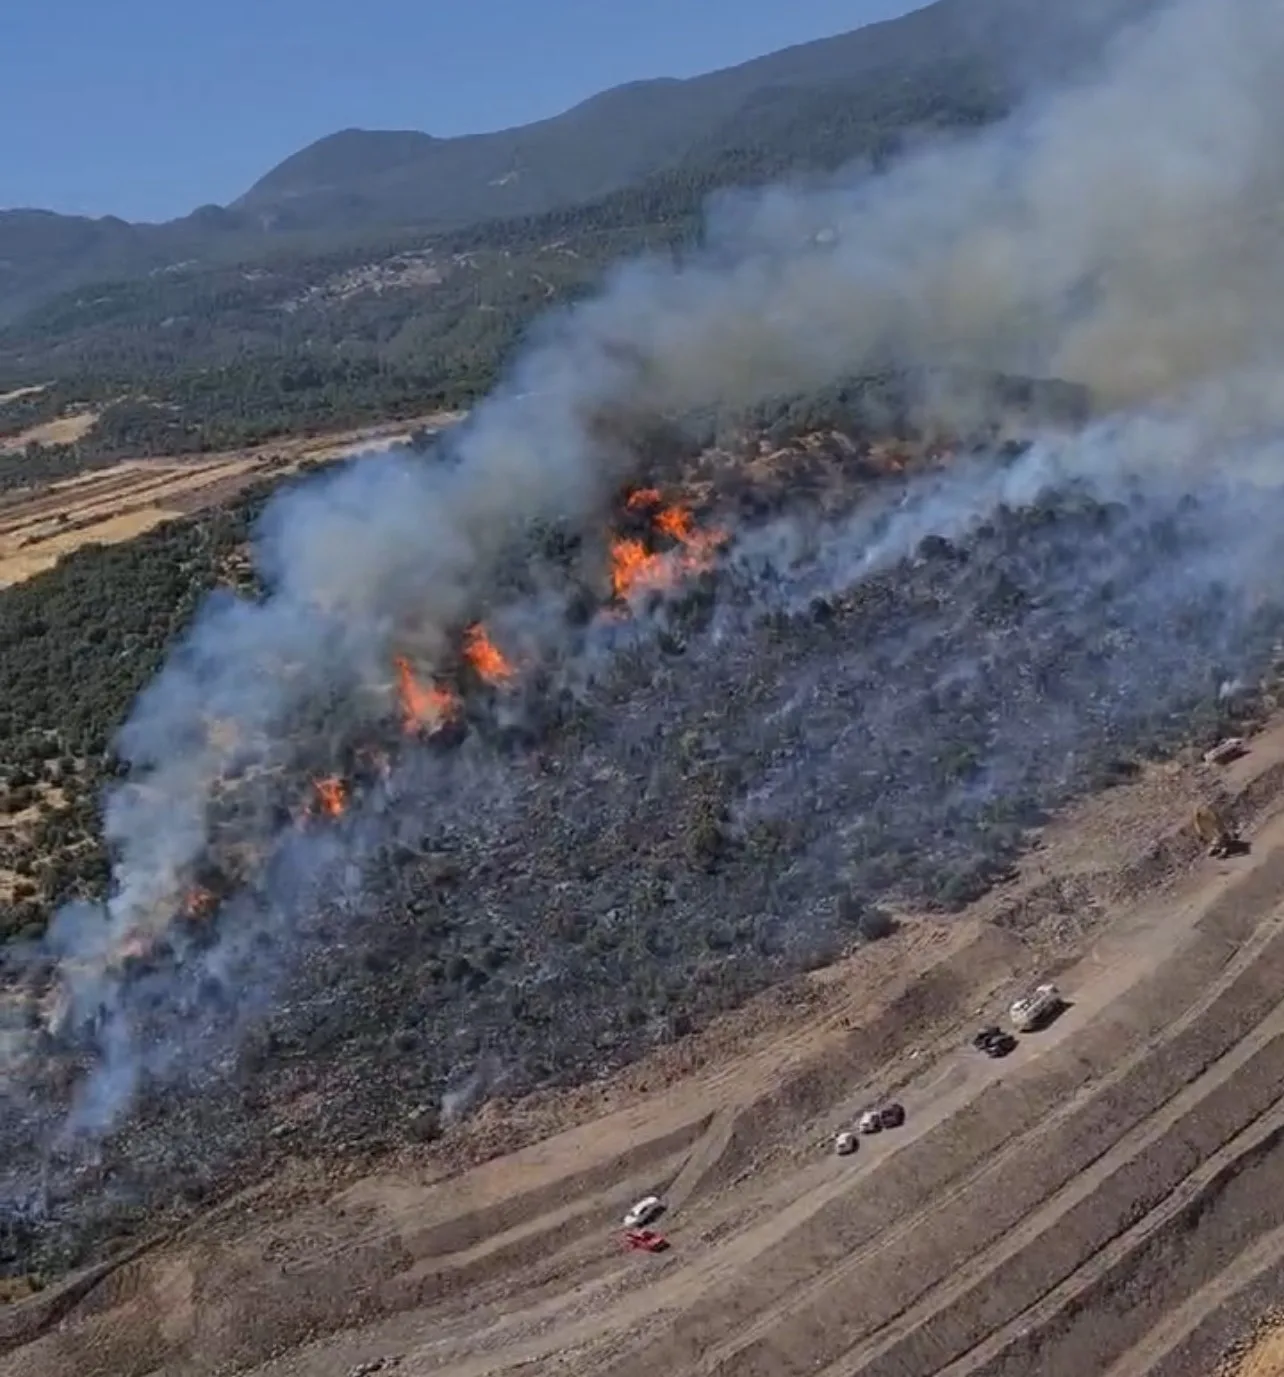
41	524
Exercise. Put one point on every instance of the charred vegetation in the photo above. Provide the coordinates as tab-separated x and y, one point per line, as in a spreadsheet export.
736	750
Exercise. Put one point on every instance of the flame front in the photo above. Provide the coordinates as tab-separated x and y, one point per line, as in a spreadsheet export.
422	706
635	569
677	523
485	656
330	796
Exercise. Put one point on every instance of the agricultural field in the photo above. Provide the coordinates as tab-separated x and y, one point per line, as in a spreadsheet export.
42	523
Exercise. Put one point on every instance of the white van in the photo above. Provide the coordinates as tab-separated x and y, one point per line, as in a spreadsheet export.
1033	1010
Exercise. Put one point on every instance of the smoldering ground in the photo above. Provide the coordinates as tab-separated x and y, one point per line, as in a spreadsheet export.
1122	234
724	808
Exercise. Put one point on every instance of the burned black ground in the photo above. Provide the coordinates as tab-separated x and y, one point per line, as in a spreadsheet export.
781	750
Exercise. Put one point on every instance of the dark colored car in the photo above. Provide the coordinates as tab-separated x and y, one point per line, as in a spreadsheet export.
994	1042
892	1115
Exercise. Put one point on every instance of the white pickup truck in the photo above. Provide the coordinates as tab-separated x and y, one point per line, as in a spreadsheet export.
1034	1010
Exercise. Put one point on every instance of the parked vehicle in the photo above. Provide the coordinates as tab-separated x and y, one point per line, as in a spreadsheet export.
1227	751
1034	1010
869	1122
1217	835
845	1144
994	1042
645	1240
648	1208
892	1115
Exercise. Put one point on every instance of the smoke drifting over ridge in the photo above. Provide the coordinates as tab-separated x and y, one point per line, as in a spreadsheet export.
1124	234
1119	234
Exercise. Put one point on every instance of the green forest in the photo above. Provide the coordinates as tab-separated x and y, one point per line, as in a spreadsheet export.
185	361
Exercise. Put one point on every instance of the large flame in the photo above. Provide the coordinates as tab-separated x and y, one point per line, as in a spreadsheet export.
635	569
485	656
424	707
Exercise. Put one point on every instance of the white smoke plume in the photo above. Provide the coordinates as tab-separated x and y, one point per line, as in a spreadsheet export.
1124	234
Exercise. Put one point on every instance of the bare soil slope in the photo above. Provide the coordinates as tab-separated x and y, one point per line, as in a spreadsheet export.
1260	1355
1108	1199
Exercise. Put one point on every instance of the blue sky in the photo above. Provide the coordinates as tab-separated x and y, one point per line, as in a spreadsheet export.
148	108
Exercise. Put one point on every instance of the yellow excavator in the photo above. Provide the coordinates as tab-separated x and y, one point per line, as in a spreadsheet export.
1220	839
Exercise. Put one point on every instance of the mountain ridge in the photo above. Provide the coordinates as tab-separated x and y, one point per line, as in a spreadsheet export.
357	181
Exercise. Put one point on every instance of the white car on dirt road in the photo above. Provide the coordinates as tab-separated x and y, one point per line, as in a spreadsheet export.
648	1208
1034	1010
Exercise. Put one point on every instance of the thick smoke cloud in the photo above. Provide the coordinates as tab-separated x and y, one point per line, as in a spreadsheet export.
1124	234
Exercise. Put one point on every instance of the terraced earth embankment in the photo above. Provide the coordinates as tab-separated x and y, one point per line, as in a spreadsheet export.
1109	1199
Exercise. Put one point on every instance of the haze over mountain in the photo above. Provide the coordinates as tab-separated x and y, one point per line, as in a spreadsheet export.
803	106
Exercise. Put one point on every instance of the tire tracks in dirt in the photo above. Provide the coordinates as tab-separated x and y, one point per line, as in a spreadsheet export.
828	1250
1141	1176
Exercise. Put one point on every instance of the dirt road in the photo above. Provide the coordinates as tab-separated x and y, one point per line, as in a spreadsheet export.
39	525
1107	1200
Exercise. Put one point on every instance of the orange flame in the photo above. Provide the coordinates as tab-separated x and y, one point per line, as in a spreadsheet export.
677	523
634	569
485	656
330	796
422	705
